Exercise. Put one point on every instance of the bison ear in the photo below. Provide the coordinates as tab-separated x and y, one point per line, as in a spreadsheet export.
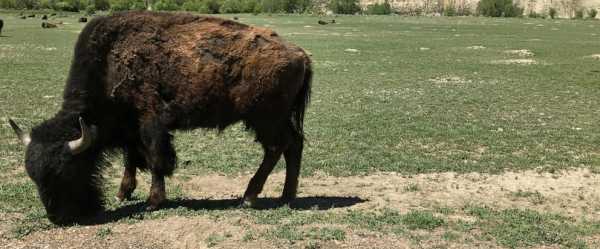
85	141
23	137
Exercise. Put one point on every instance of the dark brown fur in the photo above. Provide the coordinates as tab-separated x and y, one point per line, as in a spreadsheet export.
137	75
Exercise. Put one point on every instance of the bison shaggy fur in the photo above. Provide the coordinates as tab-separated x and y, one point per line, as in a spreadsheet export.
136	76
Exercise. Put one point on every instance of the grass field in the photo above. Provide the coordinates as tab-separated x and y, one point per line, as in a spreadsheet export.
414	135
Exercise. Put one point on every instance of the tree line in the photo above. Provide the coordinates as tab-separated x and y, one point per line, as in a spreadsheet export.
493	8
202	6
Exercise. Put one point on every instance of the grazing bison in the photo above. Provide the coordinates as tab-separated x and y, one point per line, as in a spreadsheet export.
322	22
135	76
82	19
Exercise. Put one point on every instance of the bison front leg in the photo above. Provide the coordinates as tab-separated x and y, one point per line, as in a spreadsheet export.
160	157
133	159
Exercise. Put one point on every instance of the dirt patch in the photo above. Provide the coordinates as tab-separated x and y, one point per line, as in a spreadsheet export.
450	80
573	193
520	52
476	47
516	61
594	56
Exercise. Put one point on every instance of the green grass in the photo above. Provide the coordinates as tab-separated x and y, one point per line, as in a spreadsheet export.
391	106
103	232
381	108
534	197
516	228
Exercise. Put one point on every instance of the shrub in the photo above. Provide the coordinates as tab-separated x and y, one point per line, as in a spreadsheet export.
166	5
252	6
212	6
296	6
231	6
552	13
120	5
100	4
533	14
498	8
592	13
344	6
463	11
27	4
449	11
195	5
379	9
8	4
579	14
90	10
65	6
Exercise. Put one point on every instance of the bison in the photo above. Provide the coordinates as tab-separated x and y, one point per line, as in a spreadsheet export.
136	76
82	19
1	26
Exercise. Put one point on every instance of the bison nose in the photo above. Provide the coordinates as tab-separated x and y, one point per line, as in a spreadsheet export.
58	220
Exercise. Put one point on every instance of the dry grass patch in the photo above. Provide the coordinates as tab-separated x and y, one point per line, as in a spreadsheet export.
516	62
520	52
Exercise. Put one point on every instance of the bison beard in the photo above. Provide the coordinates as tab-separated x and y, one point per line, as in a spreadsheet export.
136	76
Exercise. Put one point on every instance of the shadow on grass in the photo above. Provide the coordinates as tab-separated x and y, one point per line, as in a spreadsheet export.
301	203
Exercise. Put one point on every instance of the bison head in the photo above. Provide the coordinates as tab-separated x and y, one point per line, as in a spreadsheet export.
60	161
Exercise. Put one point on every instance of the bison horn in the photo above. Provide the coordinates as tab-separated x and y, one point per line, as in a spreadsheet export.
81	144
24	137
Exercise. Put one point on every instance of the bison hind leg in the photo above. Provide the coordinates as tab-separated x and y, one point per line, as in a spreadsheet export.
276	140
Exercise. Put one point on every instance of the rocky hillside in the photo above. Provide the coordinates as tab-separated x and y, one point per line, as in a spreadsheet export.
566	8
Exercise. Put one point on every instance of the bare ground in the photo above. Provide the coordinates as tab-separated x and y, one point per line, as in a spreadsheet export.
574	193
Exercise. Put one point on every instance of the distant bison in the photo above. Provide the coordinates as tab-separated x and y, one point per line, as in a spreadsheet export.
322	22
135	76
83	19
23	17
47	25
1	26
44	17
32	15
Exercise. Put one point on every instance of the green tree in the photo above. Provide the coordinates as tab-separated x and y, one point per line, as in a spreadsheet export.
166	5
231	6
100	4
344	6
498	8
379	8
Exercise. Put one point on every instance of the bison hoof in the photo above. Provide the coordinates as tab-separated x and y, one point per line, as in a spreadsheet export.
286	200
248	202
121	197
152	208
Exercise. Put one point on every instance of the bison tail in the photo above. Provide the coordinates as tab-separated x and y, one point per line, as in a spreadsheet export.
301	102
